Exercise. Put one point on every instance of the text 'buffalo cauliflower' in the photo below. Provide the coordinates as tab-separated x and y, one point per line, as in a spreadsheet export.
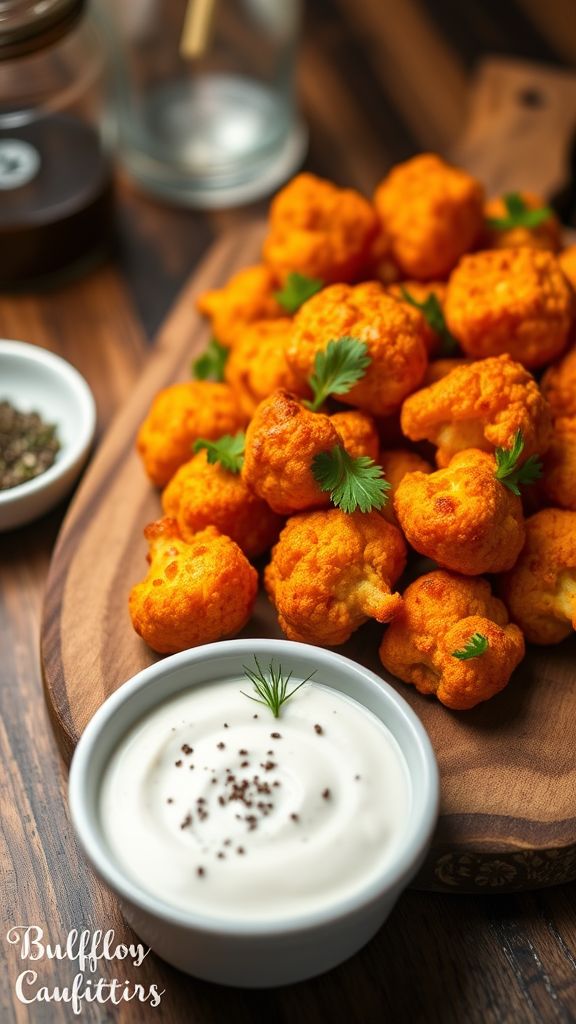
248	296
440	615
195	592
330	572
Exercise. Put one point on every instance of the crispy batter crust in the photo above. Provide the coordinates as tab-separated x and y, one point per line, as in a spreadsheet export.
246	297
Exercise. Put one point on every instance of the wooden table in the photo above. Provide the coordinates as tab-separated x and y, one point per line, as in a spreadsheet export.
378	82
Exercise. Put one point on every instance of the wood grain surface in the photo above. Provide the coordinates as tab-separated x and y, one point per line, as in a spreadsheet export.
484	959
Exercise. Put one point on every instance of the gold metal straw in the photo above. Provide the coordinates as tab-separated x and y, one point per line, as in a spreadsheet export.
197	28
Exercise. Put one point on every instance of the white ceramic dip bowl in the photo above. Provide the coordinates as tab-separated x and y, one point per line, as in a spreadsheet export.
35	380
250	952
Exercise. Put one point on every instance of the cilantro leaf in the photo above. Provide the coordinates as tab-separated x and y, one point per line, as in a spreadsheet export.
336	369
353	483
509	472
210	365
434	315
297	290
475	646
227	450
519	215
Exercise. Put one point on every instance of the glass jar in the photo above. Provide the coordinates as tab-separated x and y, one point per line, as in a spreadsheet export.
55	178
205	96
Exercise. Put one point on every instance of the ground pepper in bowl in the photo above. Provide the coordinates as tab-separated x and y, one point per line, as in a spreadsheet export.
28	445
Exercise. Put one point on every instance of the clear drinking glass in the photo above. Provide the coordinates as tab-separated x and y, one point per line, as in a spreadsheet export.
205	96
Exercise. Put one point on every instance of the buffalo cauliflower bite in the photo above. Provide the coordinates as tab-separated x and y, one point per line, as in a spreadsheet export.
462	516
420	292
567	261
480	405
204	494
510	300
257	364
331	571
358	433
391	330
559	385
540	591
319	230
249	295
440	368
545	235
558	483
195	592
178	416
441	612
396	462
432	213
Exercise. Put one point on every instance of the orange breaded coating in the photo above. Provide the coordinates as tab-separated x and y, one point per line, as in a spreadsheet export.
567	261
396	462
420	291
510	300
440	368
391	330
382	265
281	442
331	571
441	612
178	416
432	212
546	235
195	592
358	432
319	230
559	385
248	296
540	592
462	516
480	405
257	364
558	483
204	494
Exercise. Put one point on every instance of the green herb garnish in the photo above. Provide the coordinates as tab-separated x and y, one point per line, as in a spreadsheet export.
271	685
227	450
297	290
519	215
337	368
509	472
475	646
434	315
210	365
353	483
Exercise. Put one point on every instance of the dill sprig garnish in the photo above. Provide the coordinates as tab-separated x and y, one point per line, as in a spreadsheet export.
271	685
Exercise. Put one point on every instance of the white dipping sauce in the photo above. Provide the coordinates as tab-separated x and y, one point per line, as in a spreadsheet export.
232	821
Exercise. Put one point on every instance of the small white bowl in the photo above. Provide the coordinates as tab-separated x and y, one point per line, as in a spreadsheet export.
254	954
33	379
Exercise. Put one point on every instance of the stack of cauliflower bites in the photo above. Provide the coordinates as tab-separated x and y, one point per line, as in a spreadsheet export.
395	379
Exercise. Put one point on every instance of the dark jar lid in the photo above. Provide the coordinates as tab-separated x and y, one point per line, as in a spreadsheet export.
27	26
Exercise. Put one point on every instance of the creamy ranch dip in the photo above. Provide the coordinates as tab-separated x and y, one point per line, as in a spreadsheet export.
215	806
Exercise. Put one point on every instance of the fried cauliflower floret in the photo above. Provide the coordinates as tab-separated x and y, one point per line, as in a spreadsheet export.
257	364
510	300
480	405
559	385
440	368
558	483
420	291
382	265
392	331
462	516
432	212
319	230
281	442
330	572
195	592
441	612
178	416
540	591
358	432
545	235
249	295
396	462
204	494
567	261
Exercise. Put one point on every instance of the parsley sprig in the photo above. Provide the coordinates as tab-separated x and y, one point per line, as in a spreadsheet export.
353	483
519	215
475	647
271	685
434	315
337	368
210	365
297	290
509	472
227	450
